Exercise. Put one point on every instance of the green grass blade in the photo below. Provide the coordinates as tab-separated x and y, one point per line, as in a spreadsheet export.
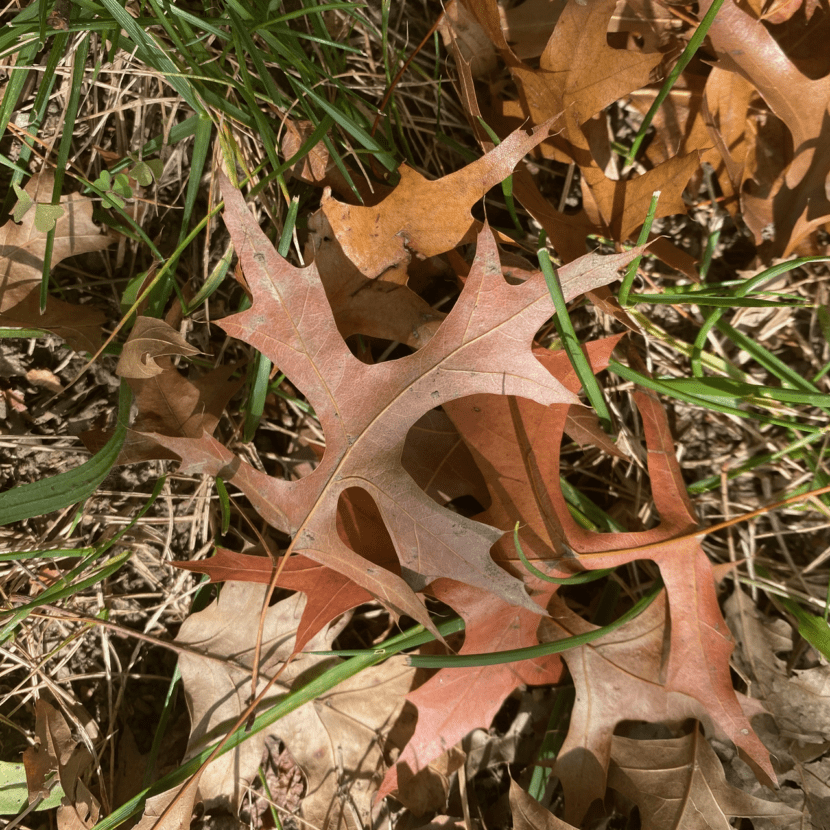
151	53
261	369
682	62
64	489
631	269
578	359
742	291
576	579
497	658
665	388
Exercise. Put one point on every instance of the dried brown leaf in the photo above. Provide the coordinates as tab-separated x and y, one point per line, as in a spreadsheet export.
424	217
529	814
150	339
335	739
22	248
679	783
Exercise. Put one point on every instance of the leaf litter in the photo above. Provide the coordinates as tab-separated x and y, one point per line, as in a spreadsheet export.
476	410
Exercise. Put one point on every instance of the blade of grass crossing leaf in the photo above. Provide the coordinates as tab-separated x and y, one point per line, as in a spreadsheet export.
498	658
589	515
576	579
261	369
507	184
298	697
76	82
682	62
64	489
571	344
631	270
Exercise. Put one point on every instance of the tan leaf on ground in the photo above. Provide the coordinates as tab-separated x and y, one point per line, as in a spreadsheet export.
57	749
625	665
470	38
337	740
799	701
22	248
180	815
424	217
150	339
529	814
679	784
170	404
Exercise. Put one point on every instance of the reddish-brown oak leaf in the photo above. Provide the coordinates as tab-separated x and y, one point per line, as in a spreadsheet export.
22	249
455	701
625	665
698	662
329	593
517	492
513	446
483	346
439	461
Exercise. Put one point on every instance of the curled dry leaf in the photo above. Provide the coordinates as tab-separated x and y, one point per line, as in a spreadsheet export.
796	201
149	340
